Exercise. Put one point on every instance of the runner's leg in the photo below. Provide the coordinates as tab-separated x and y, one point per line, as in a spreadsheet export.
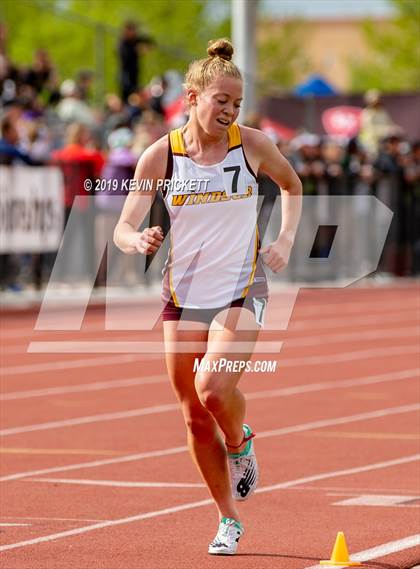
218	390
205	444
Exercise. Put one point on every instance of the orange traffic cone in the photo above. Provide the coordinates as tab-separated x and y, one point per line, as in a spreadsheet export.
340	553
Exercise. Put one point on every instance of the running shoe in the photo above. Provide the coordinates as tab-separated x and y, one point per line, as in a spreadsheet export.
226	541
243	468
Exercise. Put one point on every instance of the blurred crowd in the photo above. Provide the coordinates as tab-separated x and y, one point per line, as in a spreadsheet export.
44	121
331	167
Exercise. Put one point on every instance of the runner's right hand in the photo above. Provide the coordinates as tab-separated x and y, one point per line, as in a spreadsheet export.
148	241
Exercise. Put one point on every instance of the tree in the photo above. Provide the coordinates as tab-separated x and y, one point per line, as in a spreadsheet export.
395	61
281	61
77	34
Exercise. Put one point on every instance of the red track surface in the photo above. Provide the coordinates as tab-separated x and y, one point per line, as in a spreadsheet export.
351	356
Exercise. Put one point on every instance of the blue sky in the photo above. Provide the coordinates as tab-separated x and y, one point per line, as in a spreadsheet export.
310	9
325	8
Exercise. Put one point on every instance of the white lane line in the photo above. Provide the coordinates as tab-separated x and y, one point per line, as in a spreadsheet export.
388	548
295	325
284	392
336	384
263	434
382	550
340	420
70	364
306	388
381	309
351	308
153	348
89	419
99	362
350	356
51	519
96	463
22	349
201	503
237	347
319	340
379	500
117	483
136	518
95	386
352	321
344	472
351	491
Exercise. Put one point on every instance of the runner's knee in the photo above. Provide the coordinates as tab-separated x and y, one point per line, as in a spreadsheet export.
212	396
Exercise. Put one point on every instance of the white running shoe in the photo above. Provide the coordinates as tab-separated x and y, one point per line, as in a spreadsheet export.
244	469
226	541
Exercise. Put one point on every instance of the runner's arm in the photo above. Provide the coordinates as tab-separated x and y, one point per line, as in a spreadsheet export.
275	165
151	166
269	160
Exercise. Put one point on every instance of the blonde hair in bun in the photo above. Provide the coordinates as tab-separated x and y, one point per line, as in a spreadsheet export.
220	48
202	72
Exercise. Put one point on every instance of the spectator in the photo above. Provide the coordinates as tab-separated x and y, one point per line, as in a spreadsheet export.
412	178
41	75
157	89
115	115
118	171
389	160
137	104
306	159
357	170
37	141
78	163
149	129
392	188
130	47
10	80
376	123
71	108
10	76
84	82
332	157
10	152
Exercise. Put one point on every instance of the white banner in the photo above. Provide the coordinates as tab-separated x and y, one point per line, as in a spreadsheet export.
31	209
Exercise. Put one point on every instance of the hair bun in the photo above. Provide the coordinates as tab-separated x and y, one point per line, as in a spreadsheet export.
220	48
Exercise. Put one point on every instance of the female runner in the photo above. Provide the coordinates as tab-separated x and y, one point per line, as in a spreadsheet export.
213	278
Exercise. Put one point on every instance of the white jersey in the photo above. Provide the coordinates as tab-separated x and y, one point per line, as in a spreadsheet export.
214	236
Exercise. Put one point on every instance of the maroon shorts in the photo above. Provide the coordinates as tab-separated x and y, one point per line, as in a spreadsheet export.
173	312
206	315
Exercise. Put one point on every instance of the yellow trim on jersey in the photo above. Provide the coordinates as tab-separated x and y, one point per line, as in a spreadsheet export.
234	136
177	142
171	286
254	264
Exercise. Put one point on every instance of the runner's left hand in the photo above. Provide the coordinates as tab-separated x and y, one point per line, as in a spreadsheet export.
276	255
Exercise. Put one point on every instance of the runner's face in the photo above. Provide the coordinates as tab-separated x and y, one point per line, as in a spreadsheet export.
218	104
